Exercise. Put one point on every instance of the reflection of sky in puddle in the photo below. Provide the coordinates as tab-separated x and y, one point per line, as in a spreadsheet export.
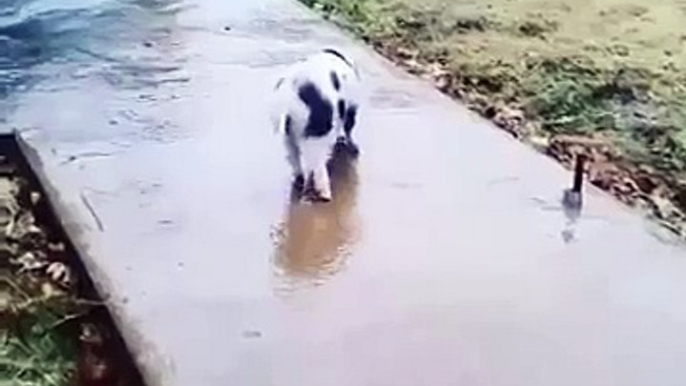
314	241
88	32
120	61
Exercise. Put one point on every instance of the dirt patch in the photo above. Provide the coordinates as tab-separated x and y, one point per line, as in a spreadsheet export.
604	78
54	330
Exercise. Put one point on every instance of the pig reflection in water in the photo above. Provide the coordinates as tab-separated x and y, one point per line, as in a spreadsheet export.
314	241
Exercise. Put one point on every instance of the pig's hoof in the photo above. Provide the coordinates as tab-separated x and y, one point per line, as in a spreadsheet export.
313	196
299	182
353	150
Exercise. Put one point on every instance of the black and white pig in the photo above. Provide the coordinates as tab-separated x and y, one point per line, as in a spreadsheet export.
317	103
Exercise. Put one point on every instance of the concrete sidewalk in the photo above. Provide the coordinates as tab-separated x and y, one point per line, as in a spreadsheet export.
444	260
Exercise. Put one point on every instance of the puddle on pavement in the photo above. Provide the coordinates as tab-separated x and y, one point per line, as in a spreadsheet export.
386	99
314	241
293	31
52	320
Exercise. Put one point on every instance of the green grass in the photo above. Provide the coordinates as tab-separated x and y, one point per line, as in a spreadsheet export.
39	356
614	69
38	315
35	347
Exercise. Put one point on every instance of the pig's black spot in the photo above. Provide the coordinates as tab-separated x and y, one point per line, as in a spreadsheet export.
350	119
320	121
335	81
288	125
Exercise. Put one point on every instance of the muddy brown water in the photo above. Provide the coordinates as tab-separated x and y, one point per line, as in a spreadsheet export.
314	241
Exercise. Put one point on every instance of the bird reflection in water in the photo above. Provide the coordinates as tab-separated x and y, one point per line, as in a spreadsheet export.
314	240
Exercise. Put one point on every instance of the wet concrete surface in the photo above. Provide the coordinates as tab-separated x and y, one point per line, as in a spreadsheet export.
445	258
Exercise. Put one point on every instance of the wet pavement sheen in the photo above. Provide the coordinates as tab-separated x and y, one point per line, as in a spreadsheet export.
444	259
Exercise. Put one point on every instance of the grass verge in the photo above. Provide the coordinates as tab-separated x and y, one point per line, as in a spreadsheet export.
54	330
606	78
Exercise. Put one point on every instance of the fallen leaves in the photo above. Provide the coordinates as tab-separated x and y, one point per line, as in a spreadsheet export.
634	184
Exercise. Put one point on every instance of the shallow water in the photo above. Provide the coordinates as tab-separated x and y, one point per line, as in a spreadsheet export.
36	36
